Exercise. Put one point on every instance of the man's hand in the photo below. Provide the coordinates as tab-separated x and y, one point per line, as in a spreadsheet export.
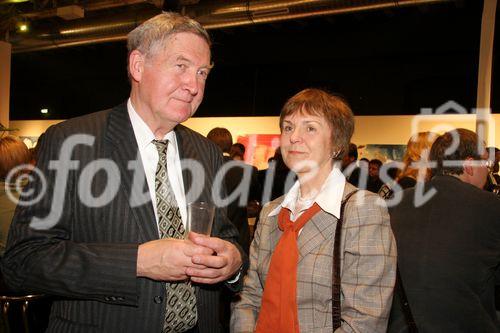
168	259
214	268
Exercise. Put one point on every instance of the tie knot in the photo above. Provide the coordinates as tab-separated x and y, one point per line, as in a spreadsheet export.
161	146
286	226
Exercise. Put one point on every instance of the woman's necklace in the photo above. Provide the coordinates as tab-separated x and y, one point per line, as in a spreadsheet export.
302	203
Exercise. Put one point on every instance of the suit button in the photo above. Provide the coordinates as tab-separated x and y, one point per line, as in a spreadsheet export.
158	299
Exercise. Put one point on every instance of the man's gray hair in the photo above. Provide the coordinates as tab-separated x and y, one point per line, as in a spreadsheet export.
151	35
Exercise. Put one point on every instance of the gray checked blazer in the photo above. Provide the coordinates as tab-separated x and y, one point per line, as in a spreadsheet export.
88	259
368	268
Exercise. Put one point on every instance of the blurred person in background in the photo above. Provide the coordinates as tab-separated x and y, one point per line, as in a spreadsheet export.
391	170
234	177
223	139
417	150
16	162
374	182
448	244
355	175
364	166
238	174
290	282
13	153
35	149
237	151
493	181
277	179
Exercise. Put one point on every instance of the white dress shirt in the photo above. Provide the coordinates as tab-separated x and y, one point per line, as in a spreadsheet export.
149	157
329	197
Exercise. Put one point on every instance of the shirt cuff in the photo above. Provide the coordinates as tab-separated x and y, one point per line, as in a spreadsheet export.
236	278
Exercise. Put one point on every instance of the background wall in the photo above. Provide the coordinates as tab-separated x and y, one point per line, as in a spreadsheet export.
5	51
369	129
384	62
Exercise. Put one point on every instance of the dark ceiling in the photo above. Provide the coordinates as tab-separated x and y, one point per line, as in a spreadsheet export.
384	62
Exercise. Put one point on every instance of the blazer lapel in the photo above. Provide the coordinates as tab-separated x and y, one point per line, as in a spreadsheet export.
319	228
312	235
274	232
120	135
315	232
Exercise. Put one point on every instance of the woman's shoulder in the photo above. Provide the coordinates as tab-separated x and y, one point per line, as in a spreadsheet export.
365	207
357	195
270	206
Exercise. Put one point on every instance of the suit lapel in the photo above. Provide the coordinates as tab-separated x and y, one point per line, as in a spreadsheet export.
186	153
190	157
120	135
191	162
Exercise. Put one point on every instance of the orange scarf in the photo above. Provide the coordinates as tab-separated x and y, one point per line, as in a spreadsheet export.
278	311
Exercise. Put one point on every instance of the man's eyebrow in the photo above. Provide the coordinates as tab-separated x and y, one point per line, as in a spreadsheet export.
182	58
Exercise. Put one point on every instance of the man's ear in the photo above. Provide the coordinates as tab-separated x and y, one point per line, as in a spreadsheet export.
467	166
136	65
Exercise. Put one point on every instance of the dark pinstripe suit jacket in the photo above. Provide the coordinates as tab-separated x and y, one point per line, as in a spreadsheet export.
88	260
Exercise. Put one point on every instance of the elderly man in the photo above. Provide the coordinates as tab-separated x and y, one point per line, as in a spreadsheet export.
448	243
108	236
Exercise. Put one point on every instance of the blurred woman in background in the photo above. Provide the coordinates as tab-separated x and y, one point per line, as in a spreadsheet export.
13	153
417	151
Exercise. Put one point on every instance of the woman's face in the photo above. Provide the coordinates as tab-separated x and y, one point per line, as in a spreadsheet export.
306	143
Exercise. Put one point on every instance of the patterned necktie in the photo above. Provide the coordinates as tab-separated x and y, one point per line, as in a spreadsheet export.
181	314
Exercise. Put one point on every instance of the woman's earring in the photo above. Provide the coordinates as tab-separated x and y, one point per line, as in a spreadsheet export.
336	154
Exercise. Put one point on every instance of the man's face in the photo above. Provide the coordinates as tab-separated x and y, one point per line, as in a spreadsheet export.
480	175
171	81
373	170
